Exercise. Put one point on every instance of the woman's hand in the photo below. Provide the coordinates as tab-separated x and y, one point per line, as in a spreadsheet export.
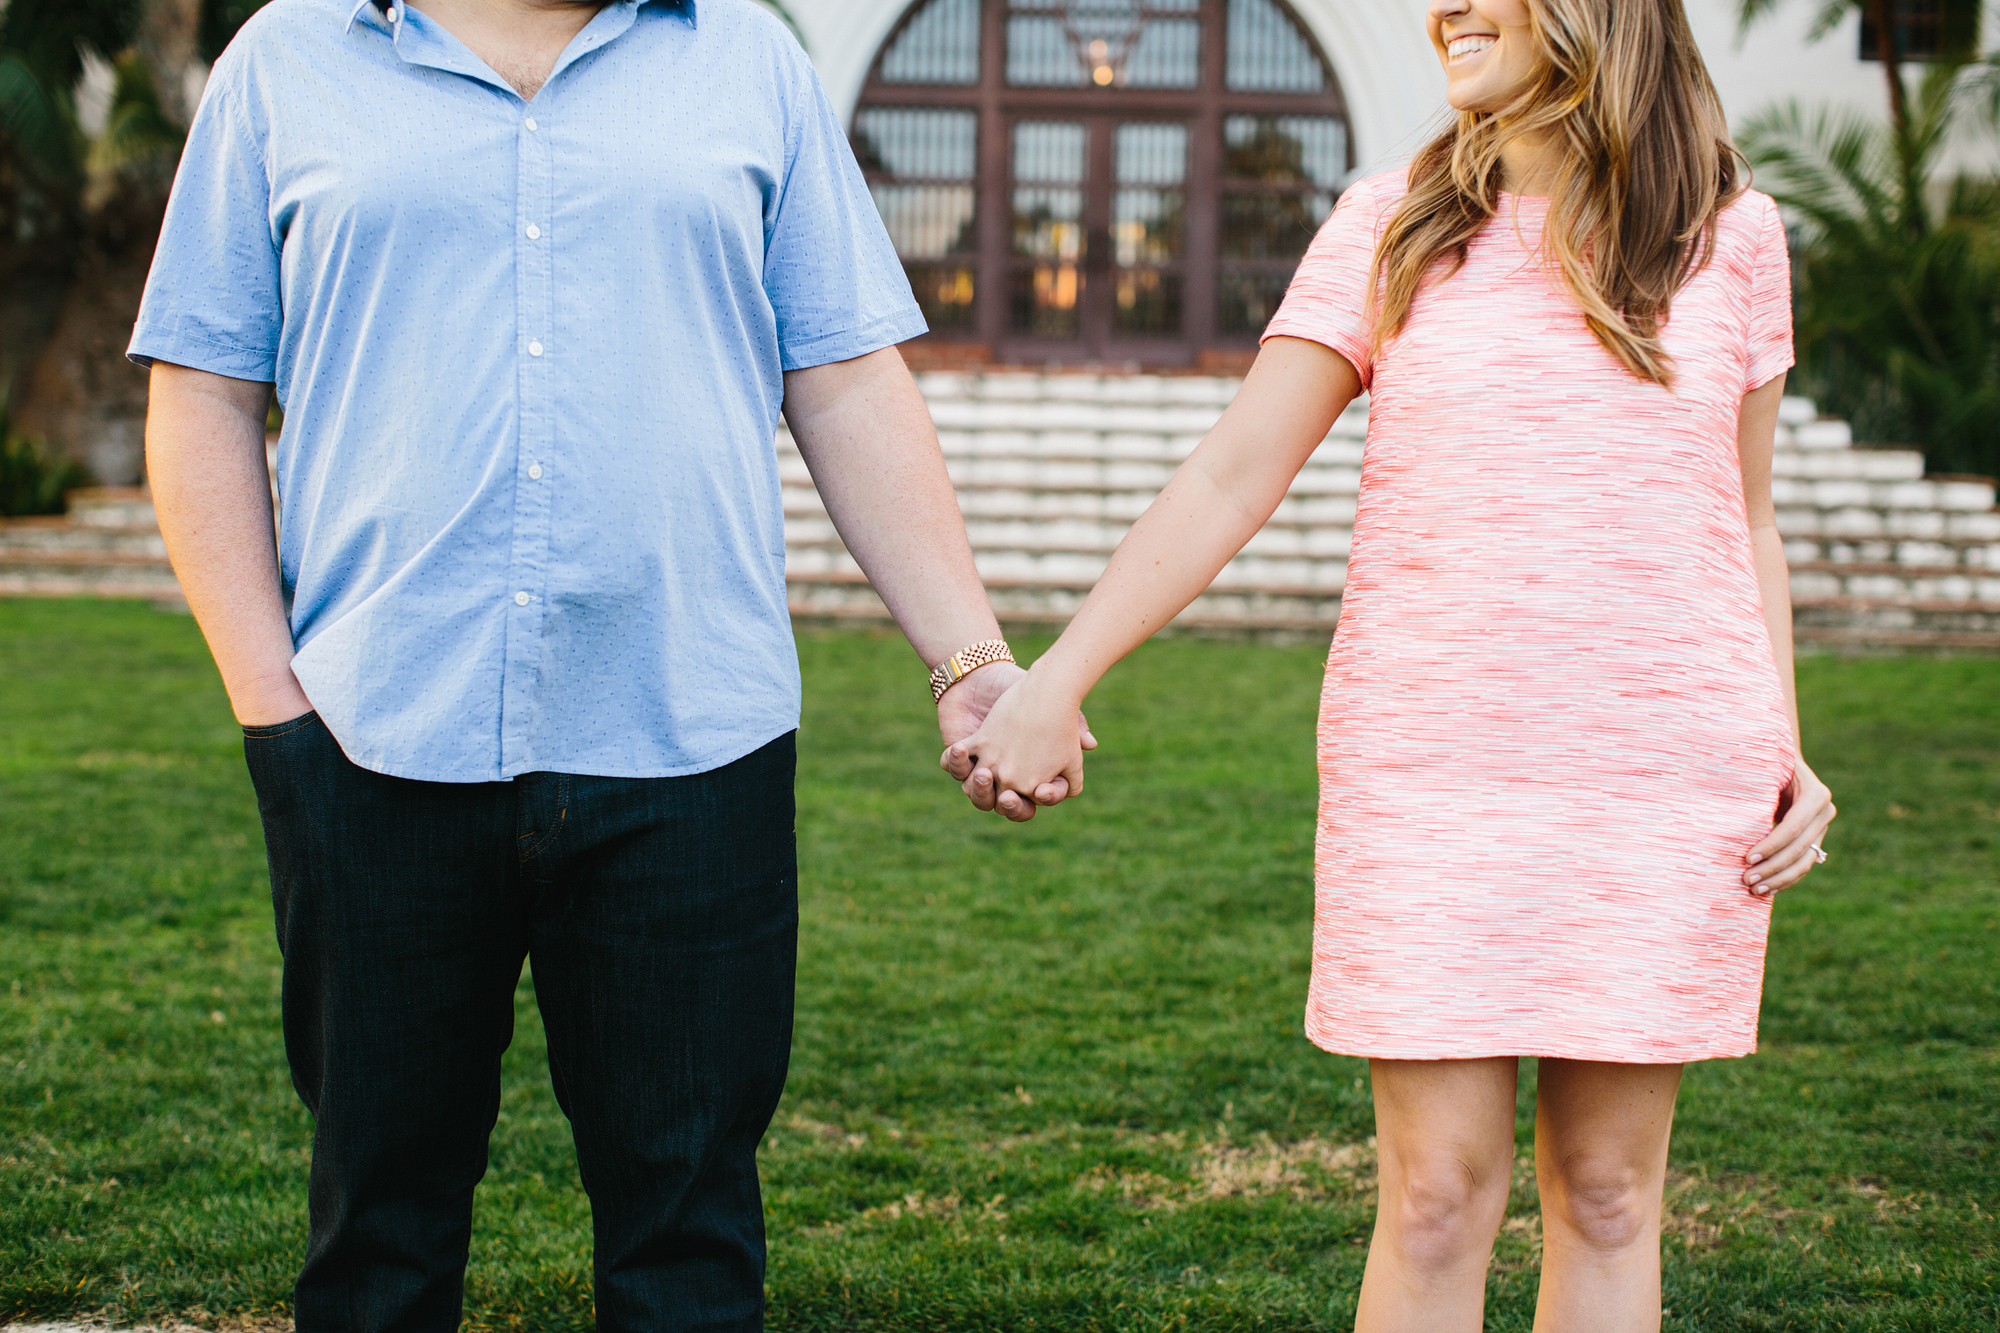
1027	752
1805	809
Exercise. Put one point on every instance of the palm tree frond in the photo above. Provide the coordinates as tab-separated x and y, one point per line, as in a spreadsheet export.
40	125
1832	13
1749	11
137	128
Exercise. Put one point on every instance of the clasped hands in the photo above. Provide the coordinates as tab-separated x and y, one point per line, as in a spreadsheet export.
1010	744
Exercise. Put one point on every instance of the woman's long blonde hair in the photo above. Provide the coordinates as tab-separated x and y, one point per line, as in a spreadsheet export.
1646	164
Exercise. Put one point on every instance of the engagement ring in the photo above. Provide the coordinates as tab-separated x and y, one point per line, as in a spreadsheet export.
1819	855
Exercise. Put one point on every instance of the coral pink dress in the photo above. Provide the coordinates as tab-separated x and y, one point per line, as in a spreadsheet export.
1552	725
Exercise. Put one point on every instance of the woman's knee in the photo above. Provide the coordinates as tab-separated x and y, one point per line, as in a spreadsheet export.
1605	1204
1444	1211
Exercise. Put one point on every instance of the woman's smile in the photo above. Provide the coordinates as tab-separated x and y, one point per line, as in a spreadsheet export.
1469	45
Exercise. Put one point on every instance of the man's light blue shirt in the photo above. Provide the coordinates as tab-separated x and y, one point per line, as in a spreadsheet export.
530	356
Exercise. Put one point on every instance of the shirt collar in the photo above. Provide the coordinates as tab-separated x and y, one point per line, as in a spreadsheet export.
386	8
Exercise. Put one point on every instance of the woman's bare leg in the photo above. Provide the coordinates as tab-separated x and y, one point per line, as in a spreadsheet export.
1601	1135
1444	1133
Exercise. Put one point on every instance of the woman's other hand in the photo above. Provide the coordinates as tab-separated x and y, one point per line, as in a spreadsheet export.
1805	809
1028	752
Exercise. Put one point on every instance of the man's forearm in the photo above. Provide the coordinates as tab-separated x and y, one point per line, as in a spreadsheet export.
867	436
205	463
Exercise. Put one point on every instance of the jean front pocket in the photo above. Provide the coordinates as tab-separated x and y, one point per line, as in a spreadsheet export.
271	731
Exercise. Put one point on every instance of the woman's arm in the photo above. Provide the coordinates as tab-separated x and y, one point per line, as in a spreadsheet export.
1805	808
1225	491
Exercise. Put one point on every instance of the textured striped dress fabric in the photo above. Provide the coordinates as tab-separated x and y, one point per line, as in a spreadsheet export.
1552	725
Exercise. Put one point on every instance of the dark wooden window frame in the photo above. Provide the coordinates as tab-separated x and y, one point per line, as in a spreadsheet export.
1202	108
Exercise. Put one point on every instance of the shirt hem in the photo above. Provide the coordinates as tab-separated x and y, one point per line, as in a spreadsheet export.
201	354
847	344
391	767
1762	374
1352	348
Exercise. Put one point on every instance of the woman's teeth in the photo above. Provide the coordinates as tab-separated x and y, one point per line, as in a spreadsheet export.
1465	46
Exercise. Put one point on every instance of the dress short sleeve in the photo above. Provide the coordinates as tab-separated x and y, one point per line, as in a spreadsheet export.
830	270
1333	299
212	297
1769	350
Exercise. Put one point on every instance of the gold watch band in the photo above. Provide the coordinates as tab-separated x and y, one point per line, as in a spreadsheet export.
966	661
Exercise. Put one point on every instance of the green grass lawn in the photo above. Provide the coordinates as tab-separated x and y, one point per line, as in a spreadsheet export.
1046	1078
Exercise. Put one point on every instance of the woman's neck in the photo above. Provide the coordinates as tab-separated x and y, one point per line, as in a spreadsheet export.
1528	163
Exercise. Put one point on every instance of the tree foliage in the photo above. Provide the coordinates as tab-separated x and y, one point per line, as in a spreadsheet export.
1898	298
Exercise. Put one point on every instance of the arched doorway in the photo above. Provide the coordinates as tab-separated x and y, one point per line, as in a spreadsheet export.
1101	180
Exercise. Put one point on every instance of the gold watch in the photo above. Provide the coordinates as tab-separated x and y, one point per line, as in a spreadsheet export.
966	661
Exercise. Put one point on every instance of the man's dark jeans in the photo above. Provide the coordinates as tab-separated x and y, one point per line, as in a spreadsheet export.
662	918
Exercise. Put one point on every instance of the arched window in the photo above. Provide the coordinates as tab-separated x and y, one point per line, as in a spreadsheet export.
1102	180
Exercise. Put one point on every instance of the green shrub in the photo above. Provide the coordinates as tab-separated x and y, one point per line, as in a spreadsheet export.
32	480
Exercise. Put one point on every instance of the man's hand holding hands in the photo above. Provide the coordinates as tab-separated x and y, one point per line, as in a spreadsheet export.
1016	750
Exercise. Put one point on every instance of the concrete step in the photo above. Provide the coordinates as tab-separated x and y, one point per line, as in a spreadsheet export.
58	573
64	533
1862	524
1841	617
1860	461
1952	494
1880	581
1213	391
1039	602
113	507
1839	622
1960	553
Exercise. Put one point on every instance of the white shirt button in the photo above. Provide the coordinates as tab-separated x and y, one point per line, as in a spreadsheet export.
530	123
534	232
534	472
534	349
520	599
390	13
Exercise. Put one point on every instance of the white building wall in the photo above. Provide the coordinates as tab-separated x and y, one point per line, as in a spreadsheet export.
1394	88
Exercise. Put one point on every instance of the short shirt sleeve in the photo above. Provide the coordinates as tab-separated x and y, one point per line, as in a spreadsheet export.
1769	350
1332	299
212	298
830	271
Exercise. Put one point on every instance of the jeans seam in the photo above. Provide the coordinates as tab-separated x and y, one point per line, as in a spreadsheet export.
555	826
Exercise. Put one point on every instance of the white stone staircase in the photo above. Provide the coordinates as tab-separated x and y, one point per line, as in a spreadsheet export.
1052	469
107	545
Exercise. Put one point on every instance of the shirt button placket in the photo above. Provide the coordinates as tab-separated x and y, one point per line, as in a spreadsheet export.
536	383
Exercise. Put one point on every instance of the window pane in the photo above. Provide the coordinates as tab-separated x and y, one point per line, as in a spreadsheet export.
1149	302
1048	152
939	45
925	145
1249	300
1167	55
1150	154
1917	28
1048	224
1046	300
927	221
1039	54
1267	52
920	165
1122	43
1146	223
1271	224
944	291
1146	226
1302	150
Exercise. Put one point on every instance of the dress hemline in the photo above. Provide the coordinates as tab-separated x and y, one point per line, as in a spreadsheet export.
1540	1050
